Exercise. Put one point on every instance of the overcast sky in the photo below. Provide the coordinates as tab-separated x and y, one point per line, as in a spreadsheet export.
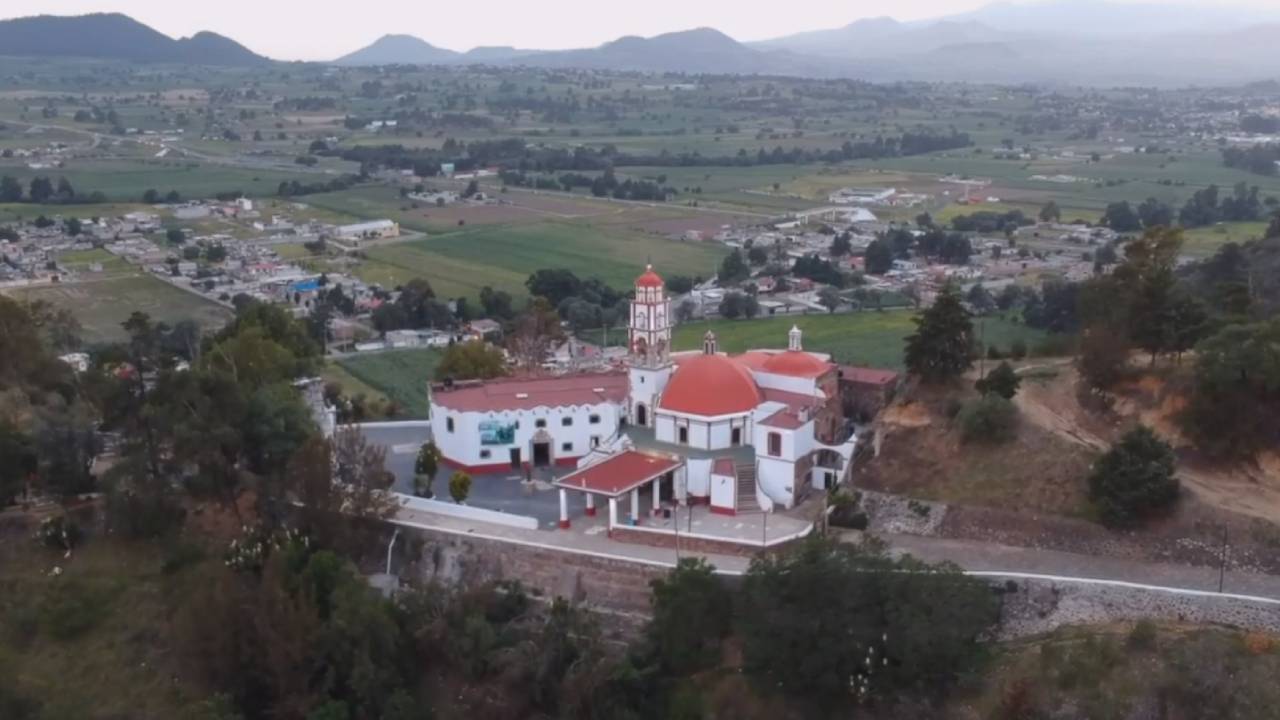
325	29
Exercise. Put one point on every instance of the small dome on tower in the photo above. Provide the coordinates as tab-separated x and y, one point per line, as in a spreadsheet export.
649	278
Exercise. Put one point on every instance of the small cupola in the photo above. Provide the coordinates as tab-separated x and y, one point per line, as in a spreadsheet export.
709	343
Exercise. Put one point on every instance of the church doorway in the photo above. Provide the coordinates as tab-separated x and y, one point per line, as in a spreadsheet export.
541	454
642	415
515	458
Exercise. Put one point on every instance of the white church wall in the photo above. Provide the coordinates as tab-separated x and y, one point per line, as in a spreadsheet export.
665	429
786	383
698	476
723	492
474	439
777	479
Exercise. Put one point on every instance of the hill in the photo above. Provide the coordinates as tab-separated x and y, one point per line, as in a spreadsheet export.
113	36
701	50
399	50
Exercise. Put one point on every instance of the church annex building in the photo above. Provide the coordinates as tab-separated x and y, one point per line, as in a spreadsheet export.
739	433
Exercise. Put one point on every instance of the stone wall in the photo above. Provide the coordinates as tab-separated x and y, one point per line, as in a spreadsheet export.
1034	606
604	582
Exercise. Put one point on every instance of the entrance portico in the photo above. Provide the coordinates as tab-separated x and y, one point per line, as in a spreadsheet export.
615	477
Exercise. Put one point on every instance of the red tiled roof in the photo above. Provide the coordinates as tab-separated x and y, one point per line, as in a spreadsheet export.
792	400
528	393
649	278
797	363
619	474
867	376
785	419
711	385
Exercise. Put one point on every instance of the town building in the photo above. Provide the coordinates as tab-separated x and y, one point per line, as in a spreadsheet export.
368	230
740	433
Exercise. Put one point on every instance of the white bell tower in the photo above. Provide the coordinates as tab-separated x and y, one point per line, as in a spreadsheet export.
649	347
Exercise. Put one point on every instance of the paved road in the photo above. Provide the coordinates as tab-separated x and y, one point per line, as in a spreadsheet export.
988	557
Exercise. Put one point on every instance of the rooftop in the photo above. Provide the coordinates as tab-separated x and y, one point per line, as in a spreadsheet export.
867	376
528	393
619	474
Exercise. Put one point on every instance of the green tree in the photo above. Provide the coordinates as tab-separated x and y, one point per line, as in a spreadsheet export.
425	468
459	486
988	419
733	269
1120	216
841	245
40	190
829	298
1050	213
1002	381
879	258
691	617
10	190
175	236
832	624
1134	479
474	359
940	348
1234	409
18	462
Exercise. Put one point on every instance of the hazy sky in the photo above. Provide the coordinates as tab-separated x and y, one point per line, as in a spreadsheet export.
324	29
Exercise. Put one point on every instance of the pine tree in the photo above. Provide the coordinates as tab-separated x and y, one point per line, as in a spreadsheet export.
941	347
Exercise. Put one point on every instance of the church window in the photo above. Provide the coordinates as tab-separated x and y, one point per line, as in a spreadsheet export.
684	436
594	419
566	447
566	422
540	423
448	424
775	444
484	454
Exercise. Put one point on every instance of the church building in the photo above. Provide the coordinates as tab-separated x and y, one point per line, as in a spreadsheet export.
741	433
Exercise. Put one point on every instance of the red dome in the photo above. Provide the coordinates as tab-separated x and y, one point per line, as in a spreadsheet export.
649	278
711	385
796	363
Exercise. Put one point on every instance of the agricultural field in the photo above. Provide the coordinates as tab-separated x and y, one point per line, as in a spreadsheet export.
82	261
102	305
399	375
125	180
1203	242
459	264
872	339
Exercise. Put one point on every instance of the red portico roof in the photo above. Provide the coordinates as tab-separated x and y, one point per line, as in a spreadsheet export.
619	474
649	278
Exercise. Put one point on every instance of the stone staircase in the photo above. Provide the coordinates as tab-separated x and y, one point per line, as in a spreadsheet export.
747	502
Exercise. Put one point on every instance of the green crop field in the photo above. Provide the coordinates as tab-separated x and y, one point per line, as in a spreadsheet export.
400	375
1205	241
125	180
872	339
102	305
460	263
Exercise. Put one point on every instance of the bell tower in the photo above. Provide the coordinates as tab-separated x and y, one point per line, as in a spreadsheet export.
649	347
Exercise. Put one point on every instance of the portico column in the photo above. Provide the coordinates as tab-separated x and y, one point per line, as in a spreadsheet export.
564	510
591	505
635	506
657	495
613	512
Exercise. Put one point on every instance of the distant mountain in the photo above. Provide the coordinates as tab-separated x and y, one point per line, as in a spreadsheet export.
399	50
1104	18
702	50
117	37
1090	42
